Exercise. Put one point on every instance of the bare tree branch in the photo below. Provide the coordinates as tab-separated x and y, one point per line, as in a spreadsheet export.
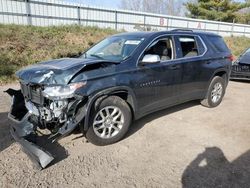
170	7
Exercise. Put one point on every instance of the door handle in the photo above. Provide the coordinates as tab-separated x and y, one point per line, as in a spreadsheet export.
174	67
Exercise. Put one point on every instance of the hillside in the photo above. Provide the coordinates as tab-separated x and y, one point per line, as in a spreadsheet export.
24	45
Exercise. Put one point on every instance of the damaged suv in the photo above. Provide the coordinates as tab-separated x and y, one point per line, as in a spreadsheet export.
120	79
241	67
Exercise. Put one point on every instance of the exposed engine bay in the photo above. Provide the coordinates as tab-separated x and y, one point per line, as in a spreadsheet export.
48	113
33	110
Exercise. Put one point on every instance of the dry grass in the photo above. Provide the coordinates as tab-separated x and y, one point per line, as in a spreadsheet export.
237	44
24	45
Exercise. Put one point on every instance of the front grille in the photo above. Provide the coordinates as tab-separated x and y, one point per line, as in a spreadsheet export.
32	92
241	68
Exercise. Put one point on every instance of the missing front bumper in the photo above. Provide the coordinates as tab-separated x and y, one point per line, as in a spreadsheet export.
38	155
21	129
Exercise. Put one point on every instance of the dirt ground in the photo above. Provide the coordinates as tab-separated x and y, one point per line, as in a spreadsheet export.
184	146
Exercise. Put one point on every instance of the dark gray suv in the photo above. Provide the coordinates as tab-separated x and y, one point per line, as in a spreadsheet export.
120	79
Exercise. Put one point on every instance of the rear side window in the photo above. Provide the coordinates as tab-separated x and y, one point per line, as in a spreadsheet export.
189	46
218	43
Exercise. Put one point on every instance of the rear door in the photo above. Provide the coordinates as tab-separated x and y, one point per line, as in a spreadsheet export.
190	51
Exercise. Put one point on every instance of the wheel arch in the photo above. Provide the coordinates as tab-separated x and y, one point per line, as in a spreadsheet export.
222	73
123	92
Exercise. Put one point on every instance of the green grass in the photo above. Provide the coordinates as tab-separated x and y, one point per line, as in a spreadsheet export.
25	45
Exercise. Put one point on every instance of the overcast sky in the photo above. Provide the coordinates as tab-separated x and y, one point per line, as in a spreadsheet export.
99	3
107	3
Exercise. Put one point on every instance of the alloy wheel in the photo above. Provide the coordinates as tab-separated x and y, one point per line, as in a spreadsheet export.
108	122
217	92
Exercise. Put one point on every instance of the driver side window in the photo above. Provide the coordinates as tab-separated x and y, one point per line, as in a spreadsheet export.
163	48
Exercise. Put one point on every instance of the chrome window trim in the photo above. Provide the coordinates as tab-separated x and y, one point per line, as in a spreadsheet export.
171	35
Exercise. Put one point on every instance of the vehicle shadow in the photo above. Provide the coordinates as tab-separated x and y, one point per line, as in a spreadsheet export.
5	138
139	124
240	81
212	169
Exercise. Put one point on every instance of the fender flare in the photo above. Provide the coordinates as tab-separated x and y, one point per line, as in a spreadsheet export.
131	100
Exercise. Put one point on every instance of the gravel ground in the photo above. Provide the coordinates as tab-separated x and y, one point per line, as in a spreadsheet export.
184	146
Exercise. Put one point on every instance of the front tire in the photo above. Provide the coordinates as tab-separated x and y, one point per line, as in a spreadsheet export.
109	122
215	93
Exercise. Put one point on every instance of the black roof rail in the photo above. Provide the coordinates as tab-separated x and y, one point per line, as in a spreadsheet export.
188	30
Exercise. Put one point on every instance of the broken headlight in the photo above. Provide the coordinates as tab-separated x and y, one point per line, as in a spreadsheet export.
62	92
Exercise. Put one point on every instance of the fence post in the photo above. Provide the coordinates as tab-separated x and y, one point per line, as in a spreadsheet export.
170	24
87	15
79	15
116	28
28	12
167	23
144	22
232	31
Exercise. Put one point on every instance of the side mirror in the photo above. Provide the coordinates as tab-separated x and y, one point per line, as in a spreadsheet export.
150	59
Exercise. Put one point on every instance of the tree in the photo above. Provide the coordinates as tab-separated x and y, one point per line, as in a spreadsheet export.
243	15
170	7
219	10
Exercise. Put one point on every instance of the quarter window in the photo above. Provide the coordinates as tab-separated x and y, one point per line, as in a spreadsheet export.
218	43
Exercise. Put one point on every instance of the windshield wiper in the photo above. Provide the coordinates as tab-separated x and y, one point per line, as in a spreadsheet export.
94	55
106	60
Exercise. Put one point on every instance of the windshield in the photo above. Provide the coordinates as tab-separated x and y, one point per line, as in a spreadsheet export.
115	48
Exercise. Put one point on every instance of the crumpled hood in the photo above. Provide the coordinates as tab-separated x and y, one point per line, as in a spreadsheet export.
58	71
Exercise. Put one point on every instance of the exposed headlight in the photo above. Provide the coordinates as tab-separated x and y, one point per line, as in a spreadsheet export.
62	92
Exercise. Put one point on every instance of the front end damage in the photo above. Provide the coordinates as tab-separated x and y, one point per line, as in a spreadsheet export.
34	109
53	97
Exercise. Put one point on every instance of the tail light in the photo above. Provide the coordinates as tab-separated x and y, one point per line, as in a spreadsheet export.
231	58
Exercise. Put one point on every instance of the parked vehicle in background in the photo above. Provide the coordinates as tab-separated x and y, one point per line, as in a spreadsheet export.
120	79
241	67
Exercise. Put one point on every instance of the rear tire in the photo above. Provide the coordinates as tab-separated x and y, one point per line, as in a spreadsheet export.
215	93
109	122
